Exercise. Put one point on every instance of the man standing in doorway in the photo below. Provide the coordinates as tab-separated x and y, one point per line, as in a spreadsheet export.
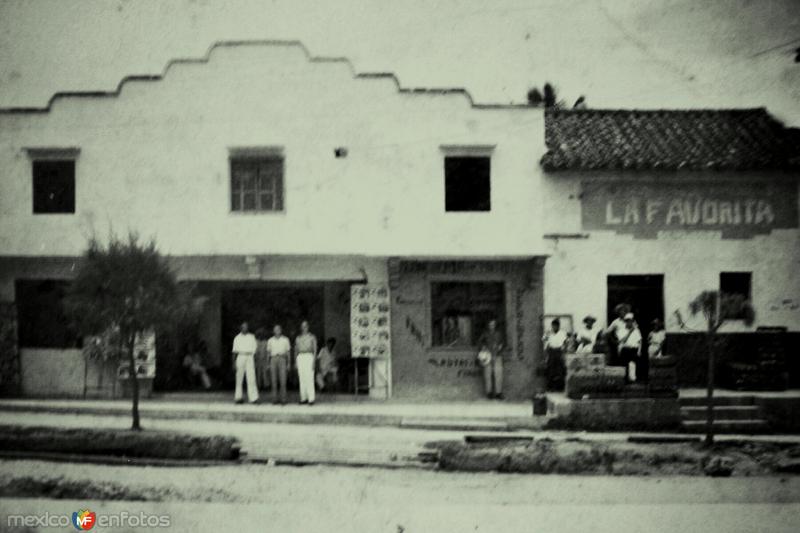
278	348
555	341
305	349
492	342
244	349
614	333
630	347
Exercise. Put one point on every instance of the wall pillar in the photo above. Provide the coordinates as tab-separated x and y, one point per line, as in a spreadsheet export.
534	307
10	372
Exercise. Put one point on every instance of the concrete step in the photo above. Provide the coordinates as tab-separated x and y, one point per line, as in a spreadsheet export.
722	412
728	426
718	400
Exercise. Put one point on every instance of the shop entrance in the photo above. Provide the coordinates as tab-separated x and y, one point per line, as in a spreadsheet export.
645	295
264	306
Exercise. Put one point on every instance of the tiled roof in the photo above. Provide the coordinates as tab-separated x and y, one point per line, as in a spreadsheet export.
599	139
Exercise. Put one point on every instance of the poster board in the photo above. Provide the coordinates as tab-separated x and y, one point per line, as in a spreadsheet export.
144	352
370	321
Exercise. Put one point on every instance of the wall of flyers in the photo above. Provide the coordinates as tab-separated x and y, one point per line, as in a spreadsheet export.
370	321
144	352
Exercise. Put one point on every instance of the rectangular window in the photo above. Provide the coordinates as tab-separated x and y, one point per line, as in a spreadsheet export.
257	183
460	311
738	285
42	322
467	183
53	186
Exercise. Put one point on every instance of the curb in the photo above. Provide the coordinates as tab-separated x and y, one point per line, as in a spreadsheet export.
254	416
240	416
390	465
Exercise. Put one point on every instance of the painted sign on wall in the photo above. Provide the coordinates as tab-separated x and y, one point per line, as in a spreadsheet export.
738	210
369	321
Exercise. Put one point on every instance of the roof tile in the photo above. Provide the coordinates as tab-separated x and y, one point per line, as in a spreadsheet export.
730	139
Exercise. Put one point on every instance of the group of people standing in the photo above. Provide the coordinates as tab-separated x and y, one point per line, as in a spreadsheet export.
625	344
254	358
621	341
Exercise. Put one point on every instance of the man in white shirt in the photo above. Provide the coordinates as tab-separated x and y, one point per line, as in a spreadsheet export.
614	333
554	342
244	349
305	350
278	349
630	345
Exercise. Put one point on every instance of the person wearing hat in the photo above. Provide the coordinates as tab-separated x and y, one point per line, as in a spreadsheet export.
614	332
630	347
587	335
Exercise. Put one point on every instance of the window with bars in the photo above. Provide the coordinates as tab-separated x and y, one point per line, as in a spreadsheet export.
257	183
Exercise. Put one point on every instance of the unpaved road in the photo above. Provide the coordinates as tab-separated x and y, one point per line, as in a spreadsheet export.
328	499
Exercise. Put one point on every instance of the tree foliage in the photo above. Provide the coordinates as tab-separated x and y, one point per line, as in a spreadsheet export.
716	309
123	289
126	285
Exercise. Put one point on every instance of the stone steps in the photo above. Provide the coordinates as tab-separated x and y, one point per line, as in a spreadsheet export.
746	427
718	400
722	412
732	414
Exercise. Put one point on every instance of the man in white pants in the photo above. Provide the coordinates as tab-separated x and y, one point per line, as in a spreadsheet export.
244	349
305	349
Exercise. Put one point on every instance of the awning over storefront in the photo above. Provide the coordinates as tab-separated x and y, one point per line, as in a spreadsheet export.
276	267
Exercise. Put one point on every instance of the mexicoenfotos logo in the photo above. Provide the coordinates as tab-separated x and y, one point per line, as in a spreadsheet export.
84	520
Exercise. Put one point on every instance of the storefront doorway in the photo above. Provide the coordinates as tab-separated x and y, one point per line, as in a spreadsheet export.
645	295
264	306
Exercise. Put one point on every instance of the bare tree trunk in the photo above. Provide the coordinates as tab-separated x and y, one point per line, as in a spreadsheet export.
136	425
710	391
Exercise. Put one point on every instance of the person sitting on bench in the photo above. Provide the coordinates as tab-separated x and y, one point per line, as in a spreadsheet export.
193	363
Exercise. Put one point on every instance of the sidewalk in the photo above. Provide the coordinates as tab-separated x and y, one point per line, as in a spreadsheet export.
480	415
476	415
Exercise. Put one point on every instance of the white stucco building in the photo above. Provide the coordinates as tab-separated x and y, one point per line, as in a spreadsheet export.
260	168
275	180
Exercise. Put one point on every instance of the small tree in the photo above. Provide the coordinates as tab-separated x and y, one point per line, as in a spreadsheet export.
716	310
123	290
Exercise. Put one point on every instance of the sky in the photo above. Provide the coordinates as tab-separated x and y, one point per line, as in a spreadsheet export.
619	54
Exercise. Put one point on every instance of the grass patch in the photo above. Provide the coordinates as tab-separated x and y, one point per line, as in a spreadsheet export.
59	488
546	456
119	443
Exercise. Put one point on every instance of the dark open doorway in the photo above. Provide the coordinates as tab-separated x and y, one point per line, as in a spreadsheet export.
645	295
264	306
